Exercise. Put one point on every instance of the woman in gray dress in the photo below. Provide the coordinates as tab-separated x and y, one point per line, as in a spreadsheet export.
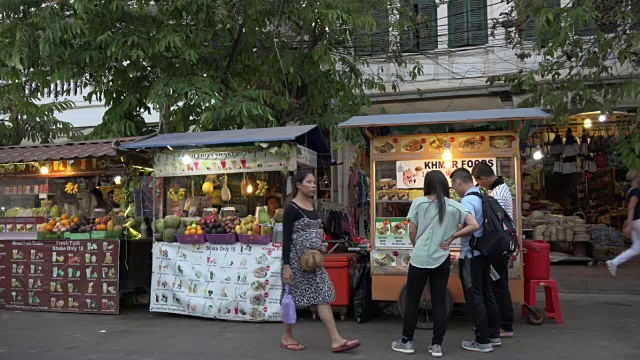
303	232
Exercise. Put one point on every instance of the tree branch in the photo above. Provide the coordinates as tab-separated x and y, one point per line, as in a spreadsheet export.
232	55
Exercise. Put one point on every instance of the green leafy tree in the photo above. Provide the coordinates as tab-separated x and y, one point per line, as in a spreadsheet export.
208	65
583	55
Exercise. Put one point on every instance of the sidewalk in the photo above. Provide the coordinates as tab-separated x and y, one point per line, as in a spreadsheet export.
584	279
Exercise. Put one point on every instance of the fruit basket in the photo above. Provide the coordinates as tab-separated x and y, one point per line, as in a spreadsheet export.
190	239
222	239
255	239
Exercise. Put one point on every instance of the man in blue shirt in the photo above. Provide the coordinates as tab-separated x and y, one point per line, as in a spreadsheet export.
475	272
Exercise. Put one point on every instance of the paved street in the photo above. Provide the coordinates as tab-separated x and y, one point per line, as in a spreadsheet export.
597	326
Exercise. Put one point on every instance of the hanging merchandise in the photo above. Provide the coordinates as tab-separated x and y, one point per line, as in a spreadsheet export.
289	187
246	188
592	143
225	193
557	165
584	144
570	151
556	145
588	165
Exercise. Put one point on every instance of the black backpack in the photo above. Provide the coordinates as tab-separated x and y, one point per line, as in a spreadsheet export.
499	238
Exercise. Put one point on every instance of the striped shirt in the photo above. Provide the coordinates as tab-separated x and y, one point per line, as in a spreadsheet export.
503	195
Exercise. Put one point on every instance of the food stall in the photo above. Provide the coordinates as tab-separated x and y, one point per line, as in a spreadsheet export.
218	249
403	149
60	249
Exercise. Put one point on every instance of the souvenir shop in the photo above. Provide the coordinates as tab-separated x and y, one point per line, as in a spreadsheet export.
575	186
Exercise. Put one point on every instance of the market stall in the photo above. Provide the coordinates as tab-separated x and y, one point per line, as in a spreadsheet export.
575	188
218	248
403	149
62	227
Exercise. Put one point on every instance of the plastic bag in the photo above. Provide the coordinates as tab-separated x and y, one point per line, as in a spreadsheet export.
288	308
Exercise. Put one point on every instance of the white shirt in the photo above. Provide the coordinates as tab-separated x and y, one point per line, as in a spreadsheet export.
503	195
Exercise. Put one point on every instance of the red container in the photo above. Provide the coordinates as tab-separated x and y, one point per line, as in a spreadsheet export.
341	269
191	239
536	260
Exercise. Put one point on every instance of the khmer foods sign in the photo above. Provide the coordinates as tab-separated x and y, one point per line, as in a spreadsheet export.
410	173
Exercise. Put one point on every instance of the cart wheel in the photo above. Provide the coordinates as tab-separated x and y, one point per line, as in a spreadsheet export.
425	316
536	316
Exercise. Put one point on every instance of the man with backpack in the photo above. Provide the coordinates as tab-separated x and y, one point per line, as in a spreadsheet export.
475	270
486	178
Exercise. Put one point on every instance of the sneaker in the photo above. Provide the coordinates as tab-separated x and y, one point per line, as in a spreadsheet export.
435	350
477	347
495	342
405	348
506	334
612	268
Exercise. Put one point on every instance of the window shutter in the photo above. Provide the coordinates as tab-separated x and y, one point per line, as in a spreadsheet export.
477	27
588	29
408	33
380	38
528	34
427	24
635	19
457	23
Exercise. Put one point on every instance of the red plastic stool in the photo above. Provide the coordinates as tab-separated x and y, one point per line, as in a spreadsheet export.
552	299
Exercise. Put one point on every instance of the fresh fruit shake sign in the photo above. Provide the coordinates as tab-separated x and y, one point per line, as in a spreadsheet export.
410	173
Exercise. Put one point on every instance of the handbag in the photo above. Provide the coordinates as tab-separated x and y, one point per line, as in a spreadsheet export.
311	260
288	308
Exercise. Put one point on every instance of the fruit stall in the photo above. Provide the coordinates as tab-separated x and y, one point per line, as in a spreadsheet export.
218	219
65	210
403	149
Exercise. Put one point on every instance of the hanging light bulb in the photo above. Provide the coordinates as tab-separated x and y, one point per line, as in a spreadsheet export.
446	154
118	180
602	117
587	123
250	188
44	170
186	159
537	155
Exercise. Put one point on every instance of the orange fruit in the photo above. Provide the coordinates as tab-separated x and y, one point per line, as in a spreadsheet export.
64	217
199	228
98	221
49	227
200	232
76	220
52	223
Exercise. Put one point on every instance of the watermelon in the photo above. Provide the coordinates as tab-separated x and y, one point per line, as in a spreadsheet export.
160	227
172	221
169	235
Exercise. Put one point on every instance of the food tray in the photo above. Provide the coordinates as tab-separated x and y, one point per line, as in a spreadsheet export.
224	239
190	239
254	239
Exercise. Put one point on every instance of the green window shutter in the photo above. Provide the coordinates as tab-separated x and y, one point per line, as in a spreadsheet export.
457	23
635	11
427	25
477	27
530	24
380	38
408	35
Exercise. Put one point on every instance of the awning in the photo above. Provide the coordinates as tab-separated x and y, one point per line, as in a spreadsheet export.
63	151
446	117
435	105
309	136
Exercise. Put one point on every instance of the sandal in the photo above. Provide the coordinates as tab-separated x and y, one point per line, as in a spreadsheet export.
348	345
292	347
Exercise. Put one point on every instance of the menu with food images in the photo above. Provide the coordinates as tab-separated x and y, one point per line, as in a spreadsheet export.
410	173
60	275
230	282
392	233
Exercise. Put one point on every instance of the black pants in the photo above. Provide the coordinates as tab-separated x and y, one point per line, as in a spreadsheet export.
502	293
475	275
438	280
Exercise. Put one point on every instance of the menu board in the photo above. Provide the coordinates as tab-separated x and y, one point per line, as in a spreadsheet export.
60	275
410	173
230	282
20	224
392	233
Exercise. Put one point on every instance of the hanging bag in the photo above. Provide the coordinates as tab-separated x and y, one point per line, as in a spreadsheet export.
556	144
288	308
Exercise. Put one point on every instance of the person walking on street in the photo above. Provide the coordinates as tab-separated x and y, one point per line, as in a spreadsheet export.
632	225
475	272
302	229
434	222
484	175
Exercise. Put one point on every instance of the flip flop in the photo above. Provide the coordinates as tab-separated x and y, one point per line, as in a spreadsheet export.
348	345
292	347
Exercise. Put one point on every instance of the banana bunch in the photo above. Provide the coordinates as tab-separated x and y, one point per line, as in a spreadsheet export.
71	188
262	188
177	195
